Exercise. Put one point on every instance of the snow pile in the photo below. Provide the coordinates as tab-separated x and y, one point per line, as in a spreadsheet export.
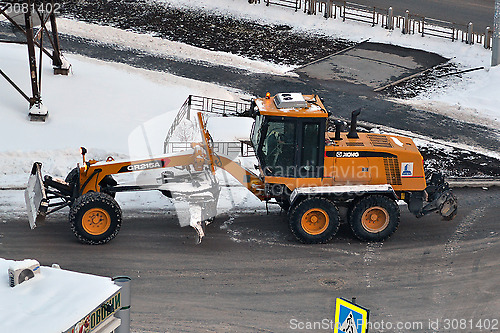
165	47
51	301
474	98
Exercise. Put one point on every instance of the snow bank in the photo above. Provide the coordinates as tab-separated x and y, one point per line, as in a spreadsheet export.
51	301
474	98
165	47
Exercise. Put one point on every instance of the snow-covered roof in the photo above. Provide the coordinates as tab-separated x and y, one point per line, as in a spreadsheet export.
52	301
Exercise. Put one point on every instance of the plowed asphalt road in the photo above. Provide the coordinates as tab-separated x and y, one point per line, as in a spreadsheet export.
250	275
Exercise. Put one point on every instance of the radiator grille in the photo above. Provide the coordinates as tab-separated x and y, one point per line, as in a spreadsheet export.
379	140
392	171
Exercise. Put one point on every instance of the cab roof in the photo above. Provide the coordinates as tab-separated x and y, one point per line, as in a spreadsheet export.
291	105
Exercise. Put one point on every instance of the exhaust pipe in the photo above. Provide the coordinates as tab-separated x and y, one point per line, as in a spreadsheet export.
339	124
353	134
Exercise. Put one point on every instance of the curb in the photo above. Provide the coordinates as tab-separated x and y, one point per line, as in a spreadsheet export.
473	183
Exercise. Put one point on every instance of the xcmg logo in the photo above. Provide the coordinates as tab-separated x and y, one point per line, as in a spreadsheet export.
341	154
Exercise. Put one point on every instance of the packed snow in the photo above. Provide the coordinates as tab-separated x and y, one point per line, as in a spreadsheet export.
52	301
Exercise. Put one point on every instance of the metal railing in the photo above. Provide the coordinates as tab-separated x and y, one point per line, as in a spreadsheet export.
231	149
295	4
408	24
215	106
362	13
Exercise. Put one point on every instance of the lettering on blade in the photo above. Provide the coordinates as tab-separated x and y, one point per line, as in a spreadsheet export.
143	166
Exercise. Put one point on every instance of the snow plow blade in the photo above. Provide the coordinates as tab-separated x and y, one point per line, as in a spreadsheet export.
441	198
35	196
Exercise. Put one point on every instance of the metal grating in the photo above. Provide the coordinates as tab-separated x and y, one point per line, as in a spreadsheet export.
378	140
354	144
392	171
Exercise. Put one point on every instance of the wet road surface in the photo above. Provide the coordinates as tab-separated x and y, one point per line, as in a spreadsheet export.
250	275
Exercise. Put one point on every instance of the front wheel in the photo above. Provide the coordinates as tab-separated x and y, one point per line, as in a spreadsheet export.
314	220
374	218
95	218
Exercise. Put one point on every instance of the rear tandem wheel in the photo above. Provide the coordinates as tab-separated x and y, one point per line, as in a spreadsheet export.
314	220
374	218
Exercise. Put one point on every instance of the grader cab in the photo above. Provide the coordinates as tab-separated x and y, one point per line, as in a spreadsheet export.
308	171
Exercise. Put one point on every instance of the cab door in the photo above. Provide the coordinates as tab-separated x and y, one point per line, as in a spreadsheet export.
311	148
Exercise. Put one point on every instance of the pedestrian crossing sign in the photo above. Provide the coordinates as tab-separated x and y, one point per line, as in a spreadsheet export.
350	318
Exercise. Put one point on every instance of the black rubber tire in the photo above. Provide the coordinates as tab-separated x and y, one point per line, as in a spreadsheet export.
297	213
95	200
355	221
71	177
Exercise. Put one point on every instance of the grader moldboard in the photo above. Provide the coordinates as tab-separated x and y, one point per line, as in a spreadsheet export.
308	171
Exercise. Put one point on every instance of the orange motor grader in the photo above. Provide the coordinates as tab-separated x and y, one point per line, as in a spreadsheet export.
307	170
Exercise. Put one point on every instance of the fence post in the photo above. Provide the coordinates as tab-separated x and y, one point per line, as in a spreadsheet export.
487	33
406	23
329	9
267	3
343	16
423	26
470	33
390	19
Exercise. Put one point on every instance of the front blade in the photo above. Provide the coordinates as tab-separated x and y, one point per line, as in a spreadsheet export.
35	196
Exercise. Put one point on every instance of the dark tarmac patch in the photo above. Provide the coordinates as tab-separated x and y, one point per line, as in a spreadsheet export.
275	43
372	64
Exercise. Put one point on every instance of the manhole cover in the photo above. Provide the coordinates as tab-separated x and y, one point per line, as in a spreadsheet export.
331	283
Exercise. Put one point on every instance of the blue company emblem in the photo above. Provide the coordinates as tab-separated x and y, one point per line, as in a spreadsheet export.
350	318
407	169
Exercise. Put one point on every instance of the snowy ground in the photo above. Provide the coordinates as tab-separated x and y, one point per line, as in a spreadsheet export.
102	106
